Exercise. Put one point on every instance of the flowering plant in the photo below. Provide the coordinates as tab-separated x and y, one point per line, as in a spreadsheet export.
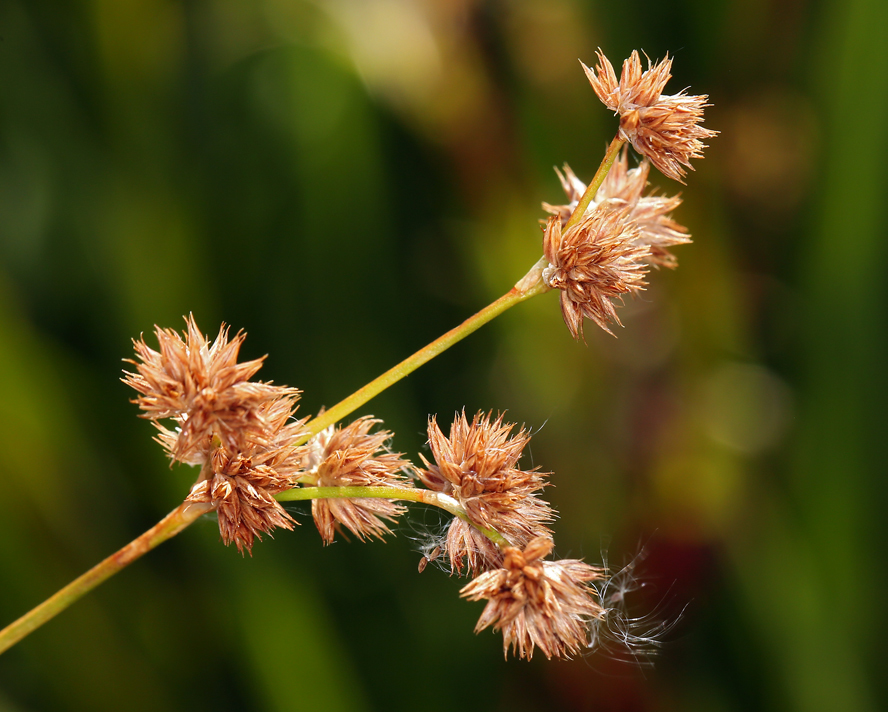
255	453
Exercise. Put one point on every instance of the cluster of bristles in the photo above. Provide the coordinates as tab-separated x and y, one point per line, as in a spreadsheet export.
251	447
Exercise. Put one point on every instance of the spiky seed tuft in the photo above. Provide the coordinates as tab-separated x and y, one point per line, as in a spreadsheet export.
241	485
666	129
244	433
478	466
536	603
593	262
651	213
201	386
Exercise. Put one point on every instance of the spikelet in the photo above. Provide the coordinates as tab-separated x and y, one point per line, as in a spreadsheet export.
538	604
598	259
665	129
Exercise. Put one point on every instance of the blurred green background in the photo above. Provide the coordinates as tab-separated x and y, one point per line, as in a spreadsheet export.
347	179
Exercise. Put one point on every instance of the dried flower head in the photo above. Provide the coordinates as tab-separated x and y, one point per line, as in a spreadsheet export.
241	484
354	457
202	387
478	466
594	261
537	603
664	128
651	213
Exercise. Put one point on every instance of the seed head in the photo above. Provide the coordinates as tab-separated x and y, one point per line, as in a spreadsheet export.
594	261
664	128
241	484
651	213
478	466
354	457
537	603
203	389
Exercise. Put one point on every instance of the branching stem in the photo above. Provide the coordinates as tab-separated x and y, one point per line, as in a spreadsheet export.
436	499
185	514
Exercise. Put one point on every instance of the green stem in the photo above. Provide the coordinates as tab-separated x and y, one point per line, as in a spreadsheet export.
168	527
597	180
436	499
530	285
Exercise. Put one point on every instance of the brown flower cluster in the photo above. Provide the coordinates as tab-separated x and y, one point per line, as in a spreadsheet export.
596	260
243	433
538	603
478	466
354	457
246	438
651	213
201	386
665	129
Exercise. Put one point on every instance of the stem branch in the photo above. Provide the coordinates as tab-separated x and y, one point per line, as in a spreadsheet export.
185	514
436	499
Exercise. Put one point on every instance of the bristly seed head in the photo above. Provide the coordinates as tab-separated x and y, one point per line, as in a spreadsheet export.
354	457
203	389
243	433
596	260
651	213
241	485
537	603
478	466
665	129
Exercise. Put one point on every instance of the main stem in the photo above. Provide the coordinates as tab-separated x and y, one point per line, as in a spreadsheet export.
168	527
530	285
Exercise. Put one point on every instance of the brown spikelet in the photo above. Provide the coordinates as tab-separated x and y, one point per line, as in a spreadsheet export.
478	466
537	603
202	387
355	457
468	548
650	213
596	260
241	485
665	129
656	228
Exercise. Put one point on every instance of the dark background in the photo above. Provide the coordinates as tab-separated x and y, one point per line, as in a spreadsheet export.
346	180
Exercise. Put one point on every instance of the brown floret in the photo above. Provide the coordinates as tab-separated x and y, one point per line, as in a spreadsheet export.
202	387
651	213
354	457
241	485
665	129
537	603
596	260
